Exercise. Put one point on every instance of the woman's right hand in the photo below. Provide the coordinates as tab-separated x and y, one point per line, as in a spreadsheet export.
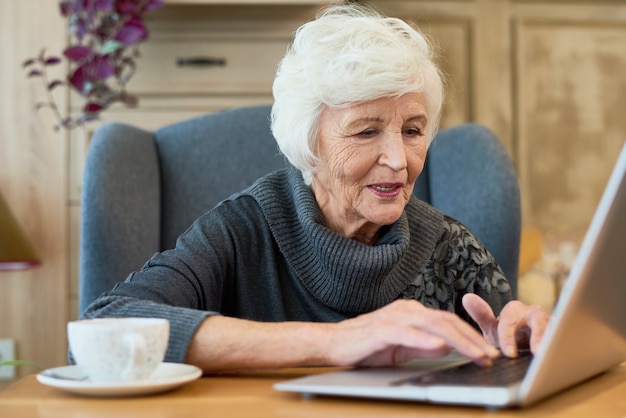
401	331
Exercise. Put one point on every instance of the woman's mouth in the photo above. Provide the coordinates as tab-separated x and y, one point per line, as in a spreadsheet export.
386	190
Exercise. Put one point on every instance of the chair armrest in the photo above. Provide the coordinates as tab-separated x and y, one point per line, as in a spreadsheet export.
120	220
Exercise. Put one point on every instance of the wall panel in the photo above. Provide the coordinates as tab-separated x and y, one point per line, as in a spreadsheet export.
571	83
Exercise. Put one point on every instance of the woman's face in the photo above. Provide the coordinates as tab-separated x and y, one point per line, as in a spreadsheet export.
370	156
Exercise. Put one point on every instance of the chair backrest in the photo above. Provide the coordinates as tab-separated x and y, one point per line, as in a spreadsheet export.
142	189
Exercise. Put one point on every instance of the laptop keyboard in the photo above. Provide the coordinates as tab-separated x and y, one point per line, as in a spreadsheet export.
502	372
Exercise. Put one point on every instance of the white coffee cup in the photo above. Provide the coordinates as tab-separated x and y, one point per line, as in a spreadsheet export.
118	349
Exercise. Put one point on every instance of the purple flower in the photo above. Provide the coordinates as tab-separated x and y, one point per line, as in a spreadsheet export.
92	107
78	81
77	53
132	32
153	4
102	68
103	47
127	7
87	76
105	6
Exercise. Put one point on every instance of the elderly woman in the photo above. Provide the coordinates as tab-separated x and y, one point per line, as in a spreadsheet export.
330	261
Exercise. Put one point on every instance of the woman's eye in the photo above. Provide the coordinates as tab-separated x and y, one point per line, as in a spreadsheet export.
413	132
368	133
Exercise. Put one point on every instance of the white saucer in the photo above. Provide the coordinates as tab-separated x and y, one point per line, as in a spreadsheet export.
167	376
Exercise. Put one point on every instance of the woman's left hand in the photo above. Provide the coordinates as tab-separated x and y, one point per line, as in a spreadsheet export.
518	325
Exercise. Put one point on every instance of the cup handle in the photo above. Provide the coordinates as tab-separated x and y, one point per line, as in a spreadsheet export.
136	345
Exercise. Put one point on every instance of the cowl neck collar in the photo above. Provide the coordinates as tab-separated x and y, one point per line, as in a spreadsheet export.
340	272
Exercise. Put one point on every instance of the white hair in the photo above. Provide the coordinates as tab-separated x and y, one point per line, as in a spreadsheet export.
348	55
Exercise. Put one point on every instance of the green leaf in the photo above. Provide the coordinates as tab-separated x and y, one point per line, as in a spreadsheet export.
20	363
110	46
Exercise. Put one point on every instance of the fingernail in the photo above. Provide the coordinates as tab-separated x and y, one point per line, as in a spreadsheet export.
485	361
493	352
510	351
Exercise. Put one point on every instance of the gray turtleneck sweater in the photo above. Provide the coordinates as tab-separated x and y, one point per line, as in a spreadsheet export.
265	254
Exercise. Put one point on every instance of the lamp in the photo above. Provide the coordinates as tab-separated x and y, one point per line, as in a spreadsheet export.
16	253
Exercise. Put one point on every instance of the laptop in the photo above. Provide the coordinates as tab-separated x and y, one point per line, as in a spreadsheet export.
585	337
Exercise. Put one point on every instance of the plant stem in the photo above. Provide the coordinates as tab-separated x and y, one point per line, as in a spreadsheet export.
12	363
51	99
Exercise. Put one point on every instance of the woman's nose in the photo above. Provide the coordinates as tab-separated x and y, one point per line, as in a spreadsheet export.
393	153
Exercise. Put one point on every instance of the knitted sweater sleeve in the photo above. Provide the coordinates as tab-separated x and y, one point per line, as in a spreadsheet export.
184	285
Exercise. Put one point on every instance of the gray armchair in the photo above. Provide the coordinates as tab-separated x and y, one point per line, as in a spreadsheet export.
142	189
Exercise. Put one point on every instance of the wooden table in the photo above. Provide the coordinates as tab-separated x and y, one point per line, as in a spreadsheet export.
252	395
